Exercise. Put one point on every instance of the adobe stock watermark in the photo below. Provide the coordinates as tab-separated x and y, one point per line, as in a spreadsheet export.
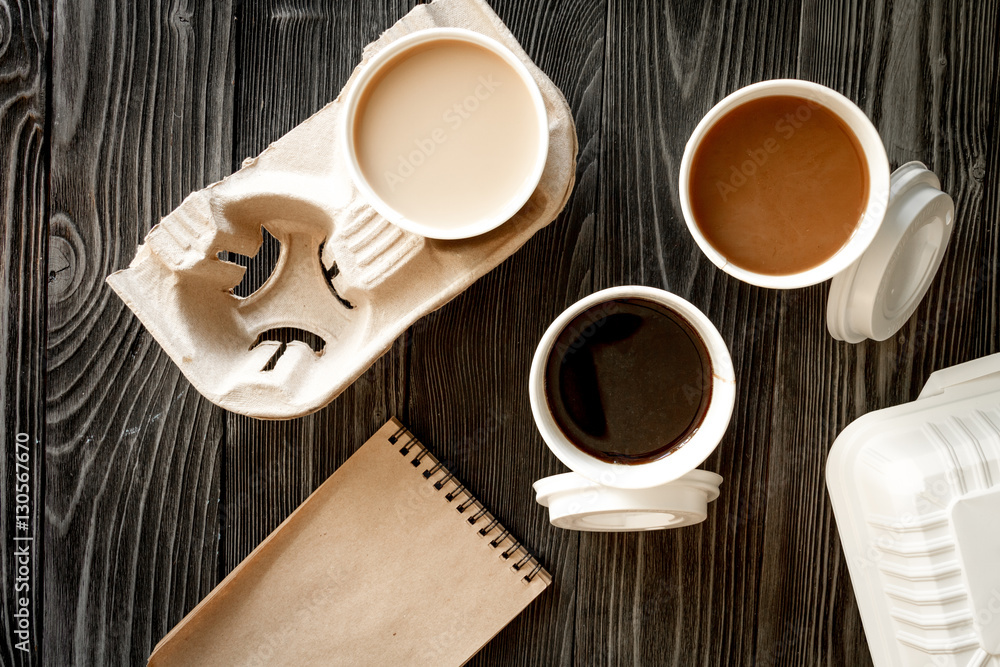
320	603
583	330
984	617
930	502
453	118
784	129
23	543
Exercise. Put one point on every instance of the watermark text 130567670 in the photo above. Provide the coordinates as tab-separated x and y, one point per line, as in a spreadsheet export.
23	542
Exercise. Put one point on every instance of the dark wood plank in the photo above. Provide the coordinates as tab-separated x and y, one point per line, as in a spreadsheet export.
926	75
469	362
142	108
688	596
24	43
294	57
152	494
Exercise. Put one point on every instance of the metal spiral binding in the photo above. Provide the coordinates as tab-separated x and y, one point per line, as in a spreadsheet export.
420	453
444	480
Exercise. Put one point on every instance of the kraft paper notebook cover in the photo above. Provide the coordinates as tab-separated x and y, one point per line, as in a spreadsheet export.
391	561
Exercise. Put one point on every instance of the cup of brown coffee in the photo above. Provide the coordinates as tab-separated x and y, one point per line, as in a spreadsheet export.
632	387
786	184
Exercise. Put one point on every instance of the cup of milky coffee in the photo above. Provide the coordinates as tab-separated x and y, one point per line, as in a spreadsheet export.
784	183
632	387
446	133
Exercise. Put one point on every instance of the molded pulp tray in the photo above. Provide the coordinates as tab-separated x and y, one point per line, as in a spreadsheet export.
345	275
916	494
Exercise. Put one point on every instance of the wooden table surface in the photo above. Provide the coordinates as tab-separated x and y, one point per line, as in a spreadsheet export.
143	495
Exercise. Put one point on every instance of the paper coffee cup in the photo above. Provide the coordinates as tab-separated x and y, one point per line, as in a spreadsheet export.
874	155
437	137
679	461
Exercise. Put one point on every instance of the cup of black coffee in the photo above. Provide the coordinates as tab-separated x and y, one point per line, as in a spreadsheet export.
632	387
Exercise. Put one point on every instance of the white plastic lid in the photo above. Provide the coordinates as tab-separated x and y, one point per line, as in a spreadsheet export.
915	491
877	294
576	503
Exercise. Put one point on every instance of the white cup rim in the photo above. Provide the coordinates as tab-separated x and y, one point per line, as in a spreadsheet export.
683	459
369	73
878	174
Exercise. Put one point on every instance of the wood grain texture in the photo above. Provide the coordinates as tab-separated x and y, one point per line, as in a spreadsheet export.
689	596
141	116
469	363
293	58
926	76
24	41
153	495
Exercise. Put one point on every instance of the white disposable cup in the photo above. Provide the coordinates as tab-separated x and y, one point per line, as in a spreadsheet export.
489	219
678	462
878	183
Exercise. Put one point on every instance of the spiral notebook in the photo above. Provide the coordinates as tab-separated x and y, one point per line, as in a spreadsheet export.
391	561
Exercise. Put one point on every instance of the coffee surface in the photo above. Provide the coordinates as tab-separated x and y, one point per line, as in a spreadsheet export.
778	185
447	134
628	381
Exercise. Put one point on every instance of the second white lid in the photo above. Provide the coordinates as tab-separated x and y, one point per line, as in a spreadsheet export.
576	503
877	294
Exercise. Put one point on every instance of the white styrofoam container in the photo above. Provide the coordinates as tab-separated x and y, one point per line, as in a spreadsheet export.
916	495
